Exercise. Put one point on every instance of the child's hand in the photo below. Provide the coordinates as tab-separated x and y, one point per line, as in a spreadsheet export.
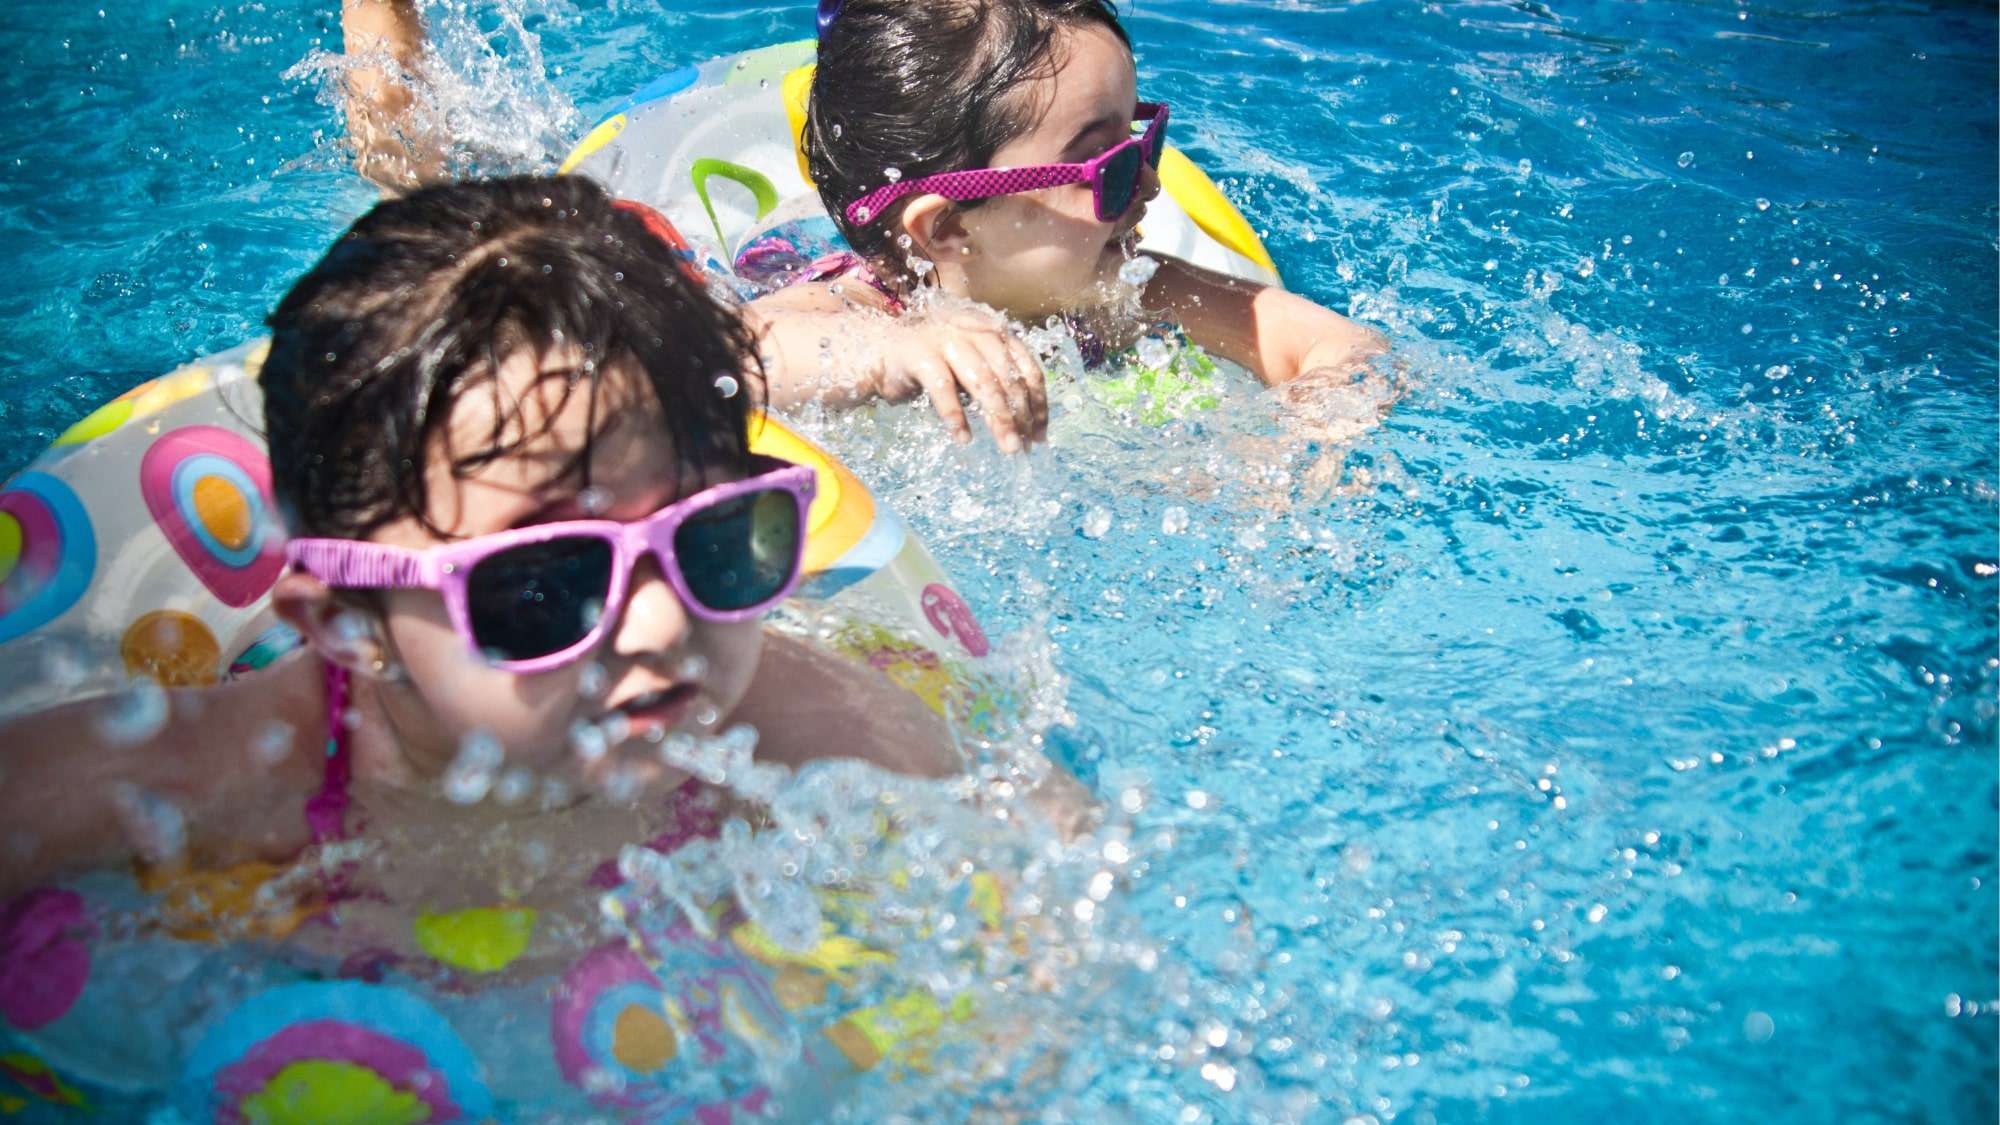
950	353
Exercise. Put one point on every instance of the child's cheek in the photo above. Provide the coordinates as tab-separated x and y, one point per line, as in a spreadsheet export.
733	653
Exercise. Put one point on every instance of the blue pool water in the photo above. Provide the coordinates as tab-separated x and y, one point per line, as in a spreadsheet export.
1617	740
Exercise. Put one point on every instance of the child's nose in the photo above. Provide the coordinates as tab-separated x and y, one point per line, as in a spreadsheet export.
654	620
1149	183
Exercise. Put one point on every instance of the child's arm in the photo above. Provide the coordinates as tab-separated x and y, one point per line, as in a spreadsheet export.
1279	336
389	149
876	354
808	704
84	785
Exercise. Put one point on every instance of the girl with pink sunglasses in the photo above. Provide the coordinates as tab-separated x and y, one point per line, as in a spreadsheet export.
527	528
997	152
1002	146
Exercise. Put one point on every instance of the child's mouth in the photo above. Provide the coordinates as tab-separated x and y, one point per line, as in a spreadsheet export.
660	710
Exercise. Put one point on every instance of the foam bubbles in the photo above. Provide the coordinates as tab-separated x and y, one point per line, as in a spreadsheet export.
475	768
136	716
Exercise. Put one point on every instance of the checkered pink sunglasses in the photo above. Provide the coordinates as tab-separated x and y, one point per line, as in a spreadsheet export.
1113	175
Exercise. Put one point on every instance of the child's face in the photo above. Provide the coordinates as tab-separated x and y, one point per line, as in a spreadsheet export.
658	665
1045	252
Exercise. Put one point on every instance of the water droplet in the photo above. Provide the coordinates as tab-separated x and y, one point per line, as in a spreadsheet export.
1138	270
594	501
514	786
156	826
1174	520
1154	352
837	130
1685	160
622	787
692	667
1758	1027
134	716
1763	204
471	773
587	741
592	680
782	908
274	742
893	175
727	385
1096	521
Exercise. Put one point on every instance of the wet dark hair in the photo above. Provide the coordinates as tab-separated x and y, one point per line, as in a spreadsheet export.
922	86
420	301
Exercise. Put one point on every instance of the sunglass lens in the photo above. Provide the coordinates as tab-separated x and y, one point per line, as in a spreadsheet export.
1120	182
741	552
538	599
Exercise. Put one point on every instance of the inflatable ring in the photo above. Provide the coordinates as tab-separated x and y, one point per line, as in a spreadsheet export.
337	1051
717	149
142	547
679	1032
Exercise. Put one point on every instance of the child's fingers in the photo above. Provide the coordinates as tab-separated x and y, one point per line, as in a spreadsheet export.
936	379
1035	381
977	376
1013	381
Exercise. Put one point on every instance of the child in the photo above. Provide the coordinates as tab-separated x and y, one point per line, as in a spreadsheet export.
470	371
906	91
911	102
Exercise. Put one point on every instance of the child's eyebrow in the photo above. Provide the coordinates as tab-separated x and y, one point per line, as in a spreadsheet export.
1103	122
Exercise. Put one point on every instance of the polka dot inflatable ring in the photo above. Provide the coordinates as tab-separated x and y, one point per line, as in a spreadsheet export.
676	1037
209	490
142	547
340	1050
48	552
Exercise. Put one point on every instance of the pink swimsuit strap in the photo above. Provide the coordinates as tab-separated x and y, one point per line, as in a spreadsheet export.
326	812
848	264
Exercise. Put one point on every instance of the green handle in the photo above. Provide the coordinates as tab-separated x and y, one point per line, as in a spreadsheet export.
749	178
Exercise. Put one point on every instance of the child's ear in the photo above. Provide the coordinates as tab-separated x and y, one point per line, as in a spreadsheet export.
338	631
936	227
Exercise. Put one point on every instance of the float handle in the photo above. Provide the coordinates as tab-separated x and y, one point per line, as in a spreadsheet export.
747	178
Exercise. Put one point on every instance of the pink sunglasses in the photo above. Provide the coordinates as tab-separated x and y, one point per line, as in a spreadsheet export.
541	597
1113	175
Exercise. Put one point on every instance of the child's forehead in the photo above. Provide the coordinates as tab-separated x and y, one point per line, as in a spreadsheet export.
547	399
549	421
1093	76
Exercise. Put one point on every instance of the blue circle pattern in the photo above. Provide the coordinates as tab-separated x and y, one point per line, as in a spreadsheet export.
379	1008
190	472
74	568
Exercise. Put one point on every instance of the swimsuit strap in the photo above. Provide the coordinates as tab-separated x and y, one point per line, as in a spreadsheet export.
848	264
326	812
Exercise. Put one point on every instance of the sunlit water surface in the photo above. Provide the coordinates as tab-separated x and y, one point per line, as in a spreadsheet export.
1612	736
